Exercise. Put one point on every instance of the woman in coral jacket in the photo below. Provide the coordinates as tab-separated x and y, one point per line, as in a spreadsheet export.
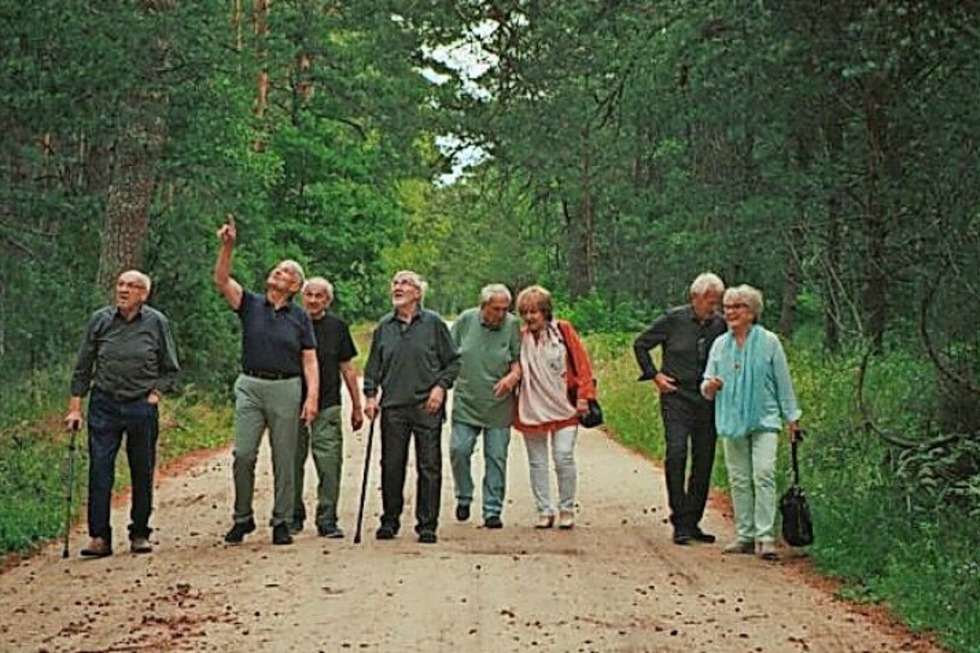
554	366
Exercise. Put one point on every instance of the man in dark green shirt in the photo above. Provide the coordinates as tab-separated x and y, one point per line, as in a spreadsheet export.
413	362
128	360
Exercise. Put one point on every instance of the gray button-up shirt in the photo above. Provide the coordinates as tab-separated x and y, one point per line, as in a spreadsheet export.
126	359
408	359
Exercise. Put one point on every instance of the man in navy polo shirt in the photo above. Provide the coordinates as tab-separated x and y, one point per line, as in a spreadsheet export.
278	354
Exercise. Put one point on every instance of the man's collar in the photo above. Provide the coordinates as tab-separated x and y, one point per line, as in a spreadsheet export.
492	327
284	307
414	316
138	314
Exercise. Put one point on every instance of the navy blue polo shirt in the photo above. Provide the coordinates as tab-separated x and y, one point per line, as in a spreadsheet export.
273	339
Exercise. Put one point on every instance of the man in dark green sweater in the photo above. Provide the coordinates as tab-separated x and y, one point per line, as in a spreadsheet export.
413	363
128	360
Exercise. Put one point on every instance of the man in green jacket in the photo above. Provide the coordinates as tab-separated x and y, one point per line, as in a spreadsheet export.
413	363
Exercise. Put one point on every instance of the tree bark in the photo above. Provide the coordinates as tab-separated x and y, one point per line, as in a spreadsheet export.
874	221
133	167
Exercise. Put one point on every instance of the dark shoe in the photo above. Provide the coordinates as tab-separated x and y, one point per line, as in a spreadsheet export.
386	532
296	526
462	512
331	531
427	537
98	547
280	534
238	531
700	536
140	545
493	521
683	537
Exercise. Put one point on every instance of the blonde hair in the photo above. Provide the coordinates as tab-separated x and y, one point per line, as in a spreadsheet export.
537	297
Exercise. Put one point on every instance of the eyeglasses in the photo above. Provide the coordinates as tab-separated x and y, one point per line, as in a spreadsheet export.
735	307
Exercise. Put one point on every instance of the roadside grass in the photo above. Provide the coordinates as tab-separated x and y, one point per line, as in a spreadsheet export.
886	541
34	457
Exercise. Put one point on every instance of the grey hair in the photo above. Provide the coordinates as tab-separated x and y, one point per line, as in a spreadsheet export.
320	282
413	278
296	268
706	282
143	277
491	290
746	293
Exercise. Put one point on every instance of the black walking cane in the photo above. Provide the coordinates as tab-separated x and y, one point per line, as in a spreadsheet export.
73	427
364	483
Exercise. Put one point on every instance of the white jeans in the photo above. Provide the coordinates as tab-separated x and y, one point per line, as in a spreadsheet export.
563	452
751	463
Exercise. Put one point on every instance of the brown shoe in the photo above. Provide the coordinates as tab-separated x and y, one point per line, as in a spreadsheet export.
140	545
98	547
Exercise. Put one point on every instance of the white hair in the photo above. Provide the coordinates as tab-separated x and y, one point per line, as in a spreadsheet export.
296	268
413	278
706	282
143	278
320	282
747	294
491	290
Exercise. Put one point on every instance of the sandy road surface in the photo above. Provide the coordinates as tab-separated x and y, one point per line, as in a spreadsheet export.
613	583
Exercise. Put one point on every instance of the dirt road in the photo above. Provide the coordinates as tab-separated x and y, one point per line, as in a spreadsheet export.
613	583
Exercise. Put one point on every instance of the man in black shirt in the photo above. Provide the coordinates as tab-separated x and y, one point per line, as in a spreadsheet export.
684	334
278	347
128	360
334	351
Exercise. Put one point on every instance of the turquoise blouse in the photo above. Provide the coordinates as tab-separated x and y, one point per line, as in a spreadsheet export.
756	394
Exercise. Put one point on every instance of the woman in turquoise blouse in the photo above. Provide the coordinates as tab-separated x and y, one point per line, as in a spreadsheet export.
748	378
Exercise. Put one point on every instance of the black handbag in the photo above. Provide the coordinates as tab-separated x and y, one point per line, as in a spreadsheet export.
797	523
592	417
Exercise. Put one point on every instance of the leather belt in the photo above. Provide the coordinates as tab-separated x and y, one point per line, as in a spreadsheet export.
270	376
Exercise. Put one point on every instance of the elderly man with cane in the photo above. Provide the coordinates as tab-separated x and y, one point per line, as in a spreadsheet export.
413	362
278	347
128	360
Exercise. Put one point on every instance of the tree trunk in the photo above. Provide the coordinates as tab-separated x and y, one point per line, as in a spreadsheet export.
127	216
581	231
874	220
832	273
133	169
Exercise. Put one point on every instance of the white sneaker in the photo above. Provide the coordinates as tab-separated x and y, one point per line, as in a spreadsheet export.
738	546
566	519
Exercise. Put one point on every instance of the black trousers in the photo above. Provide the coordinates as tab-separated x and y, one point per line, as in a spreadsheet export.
398	425
689	426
